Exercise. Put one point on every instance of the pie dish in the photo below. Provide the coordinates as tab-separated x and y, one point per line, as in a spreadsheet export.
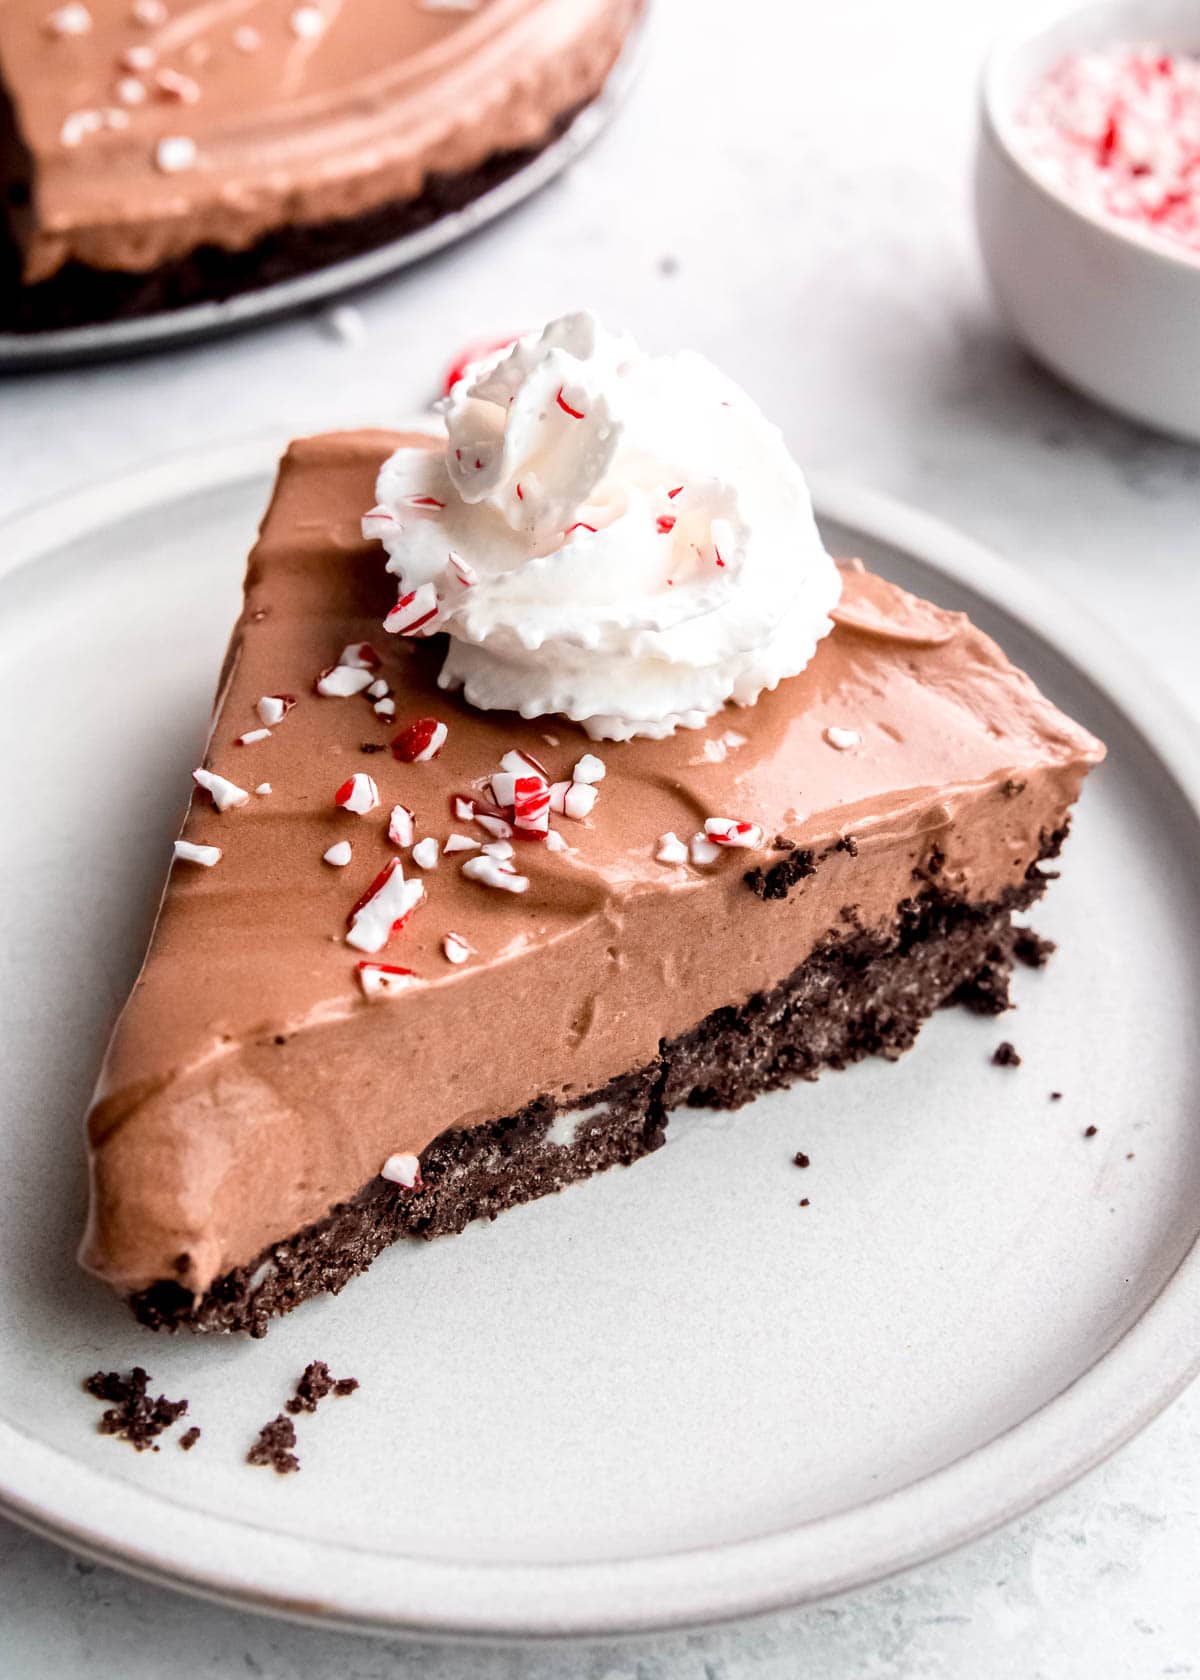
160	155
355	1023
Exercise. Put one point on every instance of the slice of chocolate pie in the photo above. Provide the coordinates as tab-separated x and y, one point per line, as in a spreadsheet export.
156	153
420	957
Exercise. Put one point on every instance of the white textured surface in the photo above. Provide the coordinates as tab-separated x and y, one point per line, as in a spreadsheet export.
817	211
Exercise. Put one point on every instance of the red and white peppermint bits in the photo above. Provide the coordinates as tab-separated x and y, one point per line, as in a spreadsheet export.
481	349
531	805
495	872
455	948
72	19
378	523
226	795
413	612
378	689
263	788
401	826
385	708
728	831
493	825
339	854
573	799
555	842
383	909
463	570
464	809
422	740
383	980
460	843
516	763
671	849
273	708
404	1170
358	794
251	737
361	656
339	682
504	789
188	852
702	850
425	853
590	769
842	739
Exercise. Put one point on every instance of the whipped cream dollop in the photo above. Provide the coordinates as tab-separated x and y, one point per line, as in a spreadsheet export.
620	538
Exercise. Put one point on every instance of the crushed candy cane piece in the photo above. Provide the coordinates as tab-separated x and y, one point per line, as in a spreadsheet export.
307	22
377	523
495	872
523	764
729	831
175	153
246	38
358	794
383	909
555	842
425	853
129	90
404	1170
188	852
378	689
504	789
464	809
422	740
339	682
455	948
479	350
380	980
79	125
578	800
362	656
72	19
251	736
671	849
273	708
463	570
339	854
385	708
842	739
226	795
139	57
495	826
401	826
413	611
732	739
531	805
460	843
558	794
589	769
502	849
702	850
264	788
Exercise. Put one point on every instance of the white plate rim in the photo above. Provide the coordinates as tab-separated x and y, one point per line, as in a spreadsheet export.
102	341
339	1585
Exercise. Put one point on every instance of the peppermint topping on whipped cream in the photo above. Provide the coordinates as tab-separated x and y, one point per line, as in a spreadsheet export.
620	538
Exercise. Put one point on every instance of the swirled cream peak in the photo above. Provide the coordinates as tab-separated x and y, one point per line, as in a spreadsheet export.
616	537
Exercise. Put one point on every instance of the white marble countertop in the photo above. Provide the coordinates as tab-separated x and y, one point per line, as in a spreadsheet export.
788	190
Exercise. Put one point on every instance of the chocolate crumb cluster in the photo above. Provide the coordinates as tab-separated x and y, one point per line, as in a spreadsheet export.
276	1442
1006	1055
133	1415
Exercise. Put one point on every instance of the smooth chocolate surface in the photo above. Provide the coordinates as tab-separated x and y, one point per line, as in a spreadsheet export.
251	1087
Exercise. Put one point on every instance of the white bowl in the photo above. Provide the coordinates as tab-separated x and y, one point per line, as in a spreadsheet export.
1111	312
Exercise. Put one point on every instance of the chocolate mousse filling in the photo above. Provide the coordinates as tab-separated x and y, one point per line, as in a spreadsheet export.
900	795
860	994
154	156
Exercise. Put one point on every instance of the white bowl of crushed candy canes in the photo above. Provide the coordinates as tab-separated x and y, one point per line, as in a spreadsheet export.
1087	195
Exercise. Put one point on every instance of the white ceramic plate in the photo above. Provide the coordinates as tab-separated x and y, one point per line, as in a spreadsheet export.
670	1394
169	328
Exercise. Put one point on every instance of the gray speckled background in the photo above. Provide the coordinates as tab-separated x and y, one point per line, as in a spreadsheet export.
806	168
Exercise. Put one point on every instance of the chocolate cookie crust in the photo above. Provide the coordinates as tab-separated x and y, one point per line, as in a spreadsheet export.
79	295
860	993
